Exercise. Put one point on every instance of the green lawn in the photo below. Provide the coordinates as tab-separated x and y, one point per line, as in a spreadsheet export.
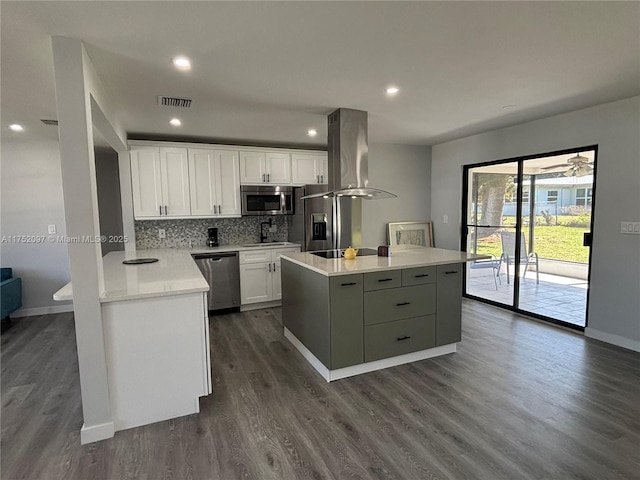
556	242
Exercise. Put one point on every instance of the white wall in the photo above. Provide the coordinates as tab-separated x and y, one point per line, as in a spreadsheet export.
401	169
32	200
614	301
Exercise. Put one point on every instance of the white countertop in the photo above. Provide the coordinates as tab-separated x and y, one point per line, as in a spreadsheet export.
404	256
175	272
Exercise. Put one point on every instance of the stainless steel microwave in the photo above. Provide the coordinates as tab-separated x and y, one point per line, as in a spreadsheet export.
266	200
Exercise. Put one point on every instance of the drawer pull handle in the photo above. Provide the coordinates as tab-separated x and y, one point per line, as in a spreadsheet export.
422	275
385	279
403	304
406	337
347	284
450	272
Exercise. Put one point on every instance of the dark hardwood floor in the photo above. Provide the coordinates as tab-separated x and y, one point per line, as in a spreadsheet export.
519	400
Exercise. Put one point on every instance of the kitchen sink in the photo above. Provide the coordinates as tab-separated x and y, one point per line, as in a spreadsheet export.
265	244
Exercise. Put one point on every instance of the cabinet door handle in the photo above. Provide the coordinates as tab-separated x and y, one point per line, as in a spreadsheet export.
274	267
450	272
317	178
268	177
402	304
348	284
269	267
160	207
422	275
322	178
406	337
165	210
385	279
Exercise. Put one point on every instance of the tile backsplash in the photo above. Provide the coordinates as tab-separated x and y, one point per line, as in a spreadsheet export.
193	232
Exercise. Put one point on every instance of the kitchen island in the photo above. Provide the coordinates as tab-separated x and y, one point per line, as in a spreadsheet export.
349	317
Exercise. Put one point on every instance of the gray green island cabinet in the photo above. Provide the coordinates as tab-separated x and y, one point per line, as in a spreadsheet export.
349	317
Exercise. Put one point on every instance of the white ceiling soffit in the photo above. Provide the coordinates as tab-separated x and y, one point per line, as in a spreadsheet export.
269	71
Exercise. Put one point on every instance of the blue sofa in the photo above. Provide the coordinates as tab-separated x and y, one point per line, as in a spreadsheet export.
11	293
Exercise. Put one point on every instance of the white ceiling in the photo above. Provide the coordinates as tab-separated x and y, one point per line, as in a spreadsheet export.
268	71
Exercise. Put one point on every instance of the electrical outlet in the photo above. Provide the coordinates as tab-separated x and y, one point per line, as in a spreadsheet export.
445	218
52	229
161	233
631	228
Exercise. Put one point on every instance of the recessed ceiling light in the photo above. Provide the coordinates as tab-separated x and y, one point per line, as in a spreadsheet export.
182	63
509	107
16	127
312	132
392	90
176	122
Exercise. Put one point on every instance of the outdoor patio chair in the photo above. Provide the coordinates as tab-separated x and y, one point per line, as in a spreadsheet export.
509	254
493	263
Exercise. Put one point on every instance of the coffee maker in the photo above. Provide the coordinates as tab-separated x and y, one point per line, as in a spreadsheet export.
212	241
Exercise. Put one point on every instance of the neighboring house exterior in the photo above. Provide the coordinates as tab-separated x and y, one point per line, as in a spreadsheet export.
560	195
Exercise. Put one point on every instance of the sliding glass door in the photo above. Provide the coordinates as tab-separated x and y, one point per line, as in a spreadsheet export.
532	218
488	187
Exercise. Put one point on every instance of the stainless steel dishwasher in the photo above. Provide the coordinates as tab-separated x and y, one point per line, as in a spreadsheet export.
222	273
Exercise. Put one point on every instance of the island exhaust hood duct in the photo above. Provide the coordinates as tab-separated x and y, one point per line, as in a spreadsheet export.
348	175
348	145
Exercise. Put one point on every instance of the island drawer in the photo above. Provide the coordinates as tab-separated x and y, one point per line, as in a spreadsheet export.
398	303
418	276
399	337
382	280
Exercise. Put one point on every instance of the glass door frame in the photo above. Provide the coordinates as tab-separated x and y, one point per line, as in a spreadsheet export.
464	230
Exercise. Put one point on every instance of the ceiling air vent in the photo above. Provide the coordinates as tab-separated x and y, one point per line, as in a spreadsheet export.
174	102
52	123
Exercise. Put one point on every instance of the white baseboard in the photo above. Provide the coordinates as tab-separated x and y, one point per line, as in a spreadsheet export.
32	312
331	375
613	339
257	306
95	433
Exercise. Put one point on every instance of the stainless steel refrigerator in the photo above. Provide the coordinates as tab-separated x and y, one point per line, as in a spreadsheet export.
311	225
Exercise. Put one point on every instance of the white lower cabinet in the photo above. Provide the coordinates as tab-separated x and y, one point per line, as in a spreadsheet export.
156	370
260	275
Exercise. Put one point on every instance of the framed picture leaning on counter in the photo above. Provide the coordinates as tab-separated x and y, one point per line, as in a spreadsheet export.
410	233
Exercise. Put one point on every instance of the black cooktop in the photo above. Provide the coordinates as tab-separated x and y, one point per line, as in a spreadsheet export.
363	252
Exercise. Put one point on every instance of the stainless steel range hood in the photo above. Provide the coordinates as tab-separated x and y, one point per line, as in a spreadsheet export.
348	145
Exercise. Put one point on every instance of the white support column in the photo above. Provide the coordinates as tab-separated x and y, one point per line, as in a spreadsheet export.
73	97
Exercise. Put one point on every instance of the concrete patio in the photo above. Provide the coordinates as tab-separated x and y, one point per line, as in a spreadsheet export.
556	296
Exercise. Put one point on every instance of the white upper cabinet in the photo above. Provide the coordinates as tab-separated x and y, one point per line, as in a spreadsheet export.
265	167
202	182
214	183
252	167
228	186
160	182
174	168
278	168
309	168
146	182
